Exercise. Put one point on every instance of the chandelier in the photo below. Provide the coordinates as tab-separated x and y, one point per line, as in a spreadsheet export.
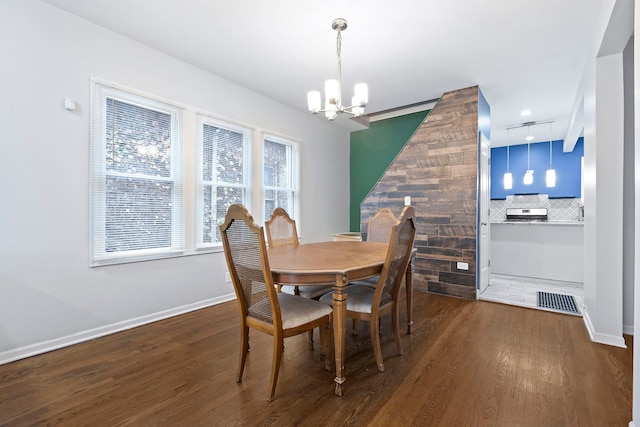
333	88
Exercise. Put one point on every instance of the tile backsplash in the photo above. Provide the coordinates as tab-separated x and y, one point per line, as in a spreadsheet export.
558	209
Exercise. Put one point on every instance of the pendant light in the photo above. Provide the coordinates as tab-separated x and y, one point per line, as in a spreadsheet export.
508	176
551	173
528	175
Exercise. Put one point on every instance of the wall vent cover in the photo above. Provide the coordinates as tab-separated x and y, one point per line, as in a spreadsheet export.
557	302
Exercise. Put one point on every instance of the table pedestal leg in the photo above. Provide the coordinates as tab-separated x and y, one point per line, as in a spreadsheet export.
339	328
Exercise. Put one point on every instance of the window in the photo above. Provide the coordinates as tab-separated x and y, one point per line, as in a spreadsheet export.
279	176
136	177
155	193
225	174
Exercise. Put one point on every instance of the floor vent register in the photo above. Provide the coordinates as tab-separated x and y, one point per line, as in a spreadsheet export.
557	302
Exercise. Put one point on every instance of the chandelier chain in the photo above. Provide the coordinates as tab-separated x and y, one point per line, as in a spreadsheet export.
339	52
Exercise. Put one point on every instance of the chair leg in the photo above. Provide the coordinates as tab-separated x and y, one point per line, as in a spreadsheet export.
395	319
244	349
278	344
310	339
375	341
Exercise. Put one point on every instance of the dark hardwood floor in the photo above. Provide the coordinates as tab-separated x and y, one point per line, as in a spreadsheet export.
467	363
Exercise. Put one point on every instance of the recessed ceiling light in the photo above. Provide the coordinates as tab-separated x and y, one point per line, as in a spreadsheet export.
525	113
529	138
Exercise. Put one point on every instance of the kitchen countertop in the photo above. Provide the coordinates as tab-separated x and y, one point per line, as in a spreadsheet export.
539	222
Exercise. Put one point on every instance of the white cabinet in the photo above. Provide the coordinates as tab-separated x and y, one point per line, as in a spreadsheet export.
552	251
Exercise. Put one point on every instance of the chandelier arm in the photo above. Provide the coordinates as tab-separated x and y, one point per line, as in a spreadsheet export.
347	110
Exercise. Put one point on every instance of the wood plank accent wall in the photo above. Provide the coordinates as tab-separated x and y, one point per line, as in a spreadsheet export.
438	169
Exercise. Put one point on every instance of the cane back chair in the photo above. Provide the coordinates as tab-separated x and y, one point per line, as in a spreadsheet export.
261	307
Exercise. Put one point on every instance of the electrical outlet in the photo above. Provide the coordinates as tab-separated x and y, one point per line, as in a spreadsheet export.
227	277
463	266
407	200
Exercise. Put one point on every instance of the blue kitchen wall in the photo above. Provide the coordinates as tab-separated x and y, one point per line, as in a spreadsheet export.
567	166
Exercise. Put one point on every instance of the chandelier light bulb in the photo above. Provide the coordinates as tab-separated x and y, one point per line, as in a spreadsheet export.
528	177
361	95
508	181
330	110
551	173
314	100
332	91
551	178
357	109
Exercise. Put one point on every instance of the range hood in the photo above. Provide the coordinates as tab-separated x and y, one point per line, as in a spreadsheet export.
527	214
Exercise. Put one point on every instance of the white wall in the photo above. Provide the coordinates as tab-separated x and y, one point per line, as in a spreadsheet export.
619	16
603	103
636	278
49	297
605	315
628	222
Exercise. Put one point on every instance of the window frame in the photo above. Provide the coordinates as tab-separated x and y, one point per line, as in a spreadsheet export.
100	92
294	186
247	132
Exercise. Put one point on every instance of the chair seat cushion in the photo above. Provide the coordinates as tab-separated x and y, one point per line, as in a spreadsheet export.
297	310
359	298
308	291
371	282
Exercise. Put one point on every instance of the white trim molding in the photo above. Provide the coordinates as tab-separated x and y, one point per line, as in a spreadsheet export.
599	337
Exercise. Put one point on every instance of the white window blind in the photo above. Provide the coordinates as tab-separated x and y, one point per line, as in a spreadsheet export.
225	174
136	176
280	175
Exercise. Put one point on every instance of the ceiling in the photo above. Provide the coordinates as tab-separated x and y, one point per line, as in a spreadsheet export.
522	54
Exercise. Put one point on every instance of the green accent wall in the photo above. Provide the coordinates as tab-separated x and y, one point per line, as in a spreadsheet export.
372	152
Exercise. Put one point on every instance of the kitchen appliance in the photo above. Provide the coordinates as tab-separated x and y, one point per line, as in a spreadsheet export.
527	214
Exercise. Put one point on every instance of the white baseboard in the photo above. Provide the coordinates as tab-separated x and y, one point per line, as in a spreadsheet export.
55	344
617	341
627	329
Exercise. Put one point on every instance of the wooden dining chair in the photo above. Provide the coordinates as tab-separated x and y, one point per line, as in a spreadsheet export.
379	227
378	230
281	231
261	308
367	303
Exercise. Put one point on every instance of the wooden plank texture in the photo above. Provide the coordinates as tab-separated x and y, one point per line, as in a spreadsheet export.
438	170
466	363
